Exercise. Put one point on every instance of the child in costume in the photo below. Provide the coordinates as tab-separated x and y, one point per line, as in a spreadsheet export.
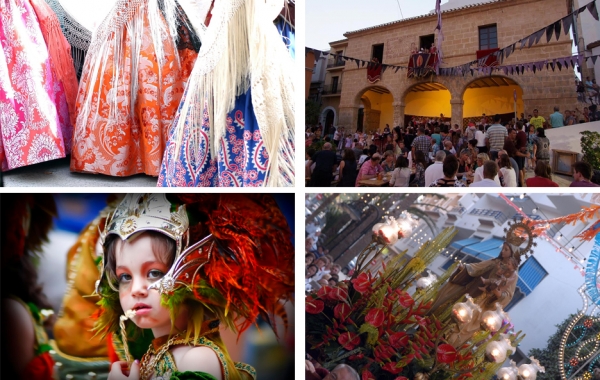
182	268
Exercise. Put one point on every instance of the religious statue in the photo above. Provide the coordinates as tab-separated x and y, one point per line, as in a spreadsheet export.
489	283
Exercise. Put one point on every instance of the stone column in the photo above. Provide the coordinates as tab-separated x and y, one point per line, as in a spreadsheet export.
457	111
348	118
399	108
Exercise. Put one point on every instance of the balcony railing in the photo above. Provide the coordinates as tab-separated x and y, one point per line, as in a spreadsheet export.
331	89
336	63
494	214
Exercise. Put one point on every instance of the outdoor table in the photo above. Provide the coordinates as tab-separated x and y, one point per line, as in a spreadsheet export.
374	182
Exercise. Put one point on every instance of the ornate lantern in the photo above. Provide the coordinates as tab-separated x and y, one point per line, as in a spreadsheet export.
463	311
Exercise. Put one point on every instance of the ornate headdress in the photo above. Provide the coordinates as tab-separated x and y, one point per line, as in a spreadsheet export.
519	236
236	257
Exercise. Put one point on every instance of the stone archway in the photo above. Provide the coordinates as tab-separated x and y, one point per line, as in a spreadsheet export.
328	117
491	95
427	99
378	108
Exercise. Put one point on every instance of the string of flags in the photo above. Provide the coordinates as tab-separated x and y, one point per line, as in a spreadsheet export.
549	31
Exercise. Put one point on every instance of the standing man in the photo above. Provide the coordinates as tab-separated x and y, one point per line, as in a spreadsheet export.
323	173
537	120
497	134
556	119
422	143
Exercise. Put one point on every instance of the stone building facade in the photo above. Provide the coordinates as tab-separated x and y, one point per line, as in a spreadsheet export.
371	106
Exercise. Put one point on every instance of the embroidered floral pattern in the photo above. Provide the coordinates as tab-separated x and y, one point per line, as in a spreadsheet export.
125	133
242	160
34	117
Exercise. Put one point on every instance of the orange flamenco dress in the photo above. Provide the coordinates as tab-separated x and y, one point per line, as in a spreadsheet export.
131	86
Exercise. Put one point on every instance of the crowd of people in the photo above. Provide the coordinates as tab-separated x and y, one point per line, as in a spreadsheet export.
320	268
432	153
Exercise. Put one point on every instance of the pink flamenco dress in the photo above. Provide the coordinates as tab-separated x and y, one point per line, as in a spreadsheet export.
35	123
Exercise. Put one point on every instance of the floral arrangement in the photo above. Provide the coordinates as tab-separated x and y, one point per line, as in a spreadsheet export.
373	324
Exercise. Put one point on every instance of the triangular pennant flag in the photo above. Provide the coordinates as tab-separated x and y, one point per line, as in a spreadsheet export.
592	8
522	69
531	40
397	68
509	50
472	71
540	65
505	69
567	21
523	42
384	68
357	63
528	66
534	68
559	65
538	35
557	26
594	58
363	64
549	31
580	10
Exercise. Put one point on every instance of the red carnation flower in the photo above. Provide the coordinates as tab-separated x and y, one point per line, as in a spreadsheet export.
405	299
338	294
367	375
399	339
391	368
375	317
362	283
314	306
342	311
446	353
349	340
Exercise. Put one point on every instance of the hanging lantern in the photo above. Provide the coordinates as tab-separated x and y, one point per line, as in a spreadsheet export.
529	371
463	311
492	319
508	373
498	350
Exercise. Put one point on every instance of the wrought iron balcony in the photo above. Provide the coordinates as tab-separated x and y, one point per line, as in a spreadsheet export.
331	89
336	63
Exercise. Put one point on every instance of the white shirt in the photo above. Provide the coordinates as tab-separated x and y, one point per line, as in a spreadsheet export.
400	177
510	177
434	171
479	176
480	136
485	183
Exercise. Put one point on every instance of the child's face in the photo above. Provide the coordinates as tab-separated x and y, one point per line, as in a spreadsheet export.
137	267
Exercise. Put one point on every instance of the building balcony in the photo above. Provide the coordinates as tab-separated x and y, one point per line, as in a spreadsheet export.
498	216
332	90
335	64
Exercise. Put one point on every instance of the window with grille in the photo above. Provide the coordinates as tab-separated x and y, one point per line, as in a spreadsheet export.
531	274
488	37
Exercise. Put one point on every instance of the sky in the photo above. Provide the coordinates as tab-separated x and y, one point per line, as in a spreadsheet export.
328	20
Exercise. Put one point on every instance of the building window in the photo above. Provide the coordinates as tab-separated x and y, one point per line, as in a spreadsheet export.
488	37
339	60
377	52
531	274
334	84
425	42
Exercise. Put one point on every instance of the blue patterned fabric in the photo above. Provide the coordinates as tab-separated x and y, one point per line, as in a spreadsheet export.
243	158
242	161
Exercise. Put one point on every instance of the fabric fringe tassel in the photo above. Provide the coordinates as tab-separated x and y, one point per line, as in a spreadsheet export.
242	48
126	17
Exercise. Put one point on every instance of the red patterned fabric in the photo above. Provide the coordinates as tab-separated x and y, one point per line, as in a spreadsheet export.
492	60
421	65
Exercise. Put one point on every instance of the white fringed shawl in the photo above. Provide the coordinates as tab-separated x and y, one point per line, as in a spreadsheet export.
242	49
